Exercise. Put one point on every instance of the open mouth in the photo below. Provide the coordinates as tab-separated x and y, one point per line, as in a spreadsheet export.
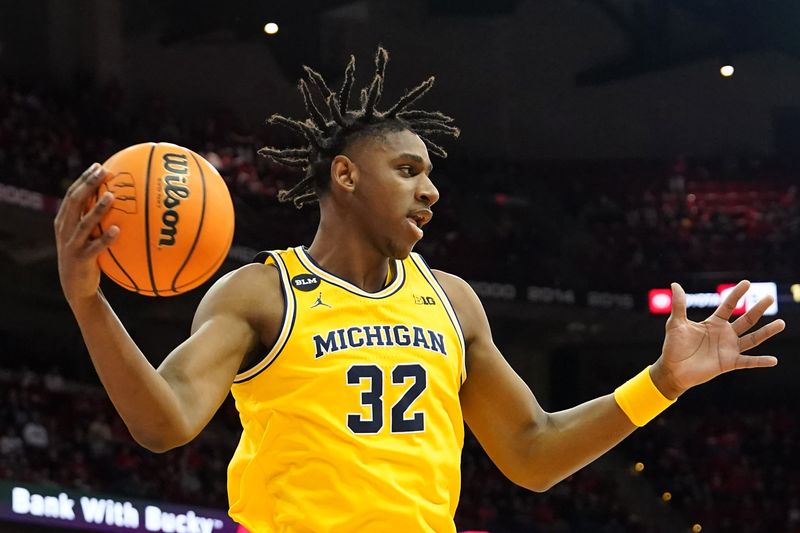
415	227
420	217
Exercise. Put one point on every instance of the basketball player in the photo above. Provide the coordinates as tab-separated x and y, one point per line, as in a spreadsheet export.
351	361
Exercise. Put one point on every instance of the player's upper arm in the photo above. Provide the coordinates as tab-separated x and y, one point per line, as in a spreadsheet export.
239	313
498	406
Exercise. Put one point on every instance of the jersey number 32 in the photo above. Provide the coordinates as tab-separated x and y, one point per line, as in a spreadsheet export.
400	422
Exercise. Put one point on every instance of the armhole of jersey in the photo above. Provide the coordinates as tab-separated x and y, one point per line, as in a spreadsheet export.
427	273
289	313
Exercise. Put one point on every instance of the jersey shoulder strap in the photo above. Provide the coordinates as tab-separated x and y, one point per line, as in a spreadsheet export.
274	258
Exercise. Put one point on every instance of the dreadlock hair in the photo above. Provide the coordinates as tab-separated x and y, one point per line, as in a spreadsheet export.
332	125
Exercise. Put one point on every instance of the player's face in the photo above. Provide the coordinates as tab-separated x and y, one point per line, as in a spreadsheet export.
395	191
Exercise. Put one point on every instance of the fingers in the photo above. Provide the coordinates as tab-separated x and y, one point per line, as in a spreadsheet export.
678	303
78	193
728	305
750	341
73	229
93	217
755	361
82	178
752	316
101	243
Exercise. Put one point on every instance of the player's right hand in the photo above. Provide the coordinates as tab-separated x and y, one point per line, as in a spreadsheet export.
77	250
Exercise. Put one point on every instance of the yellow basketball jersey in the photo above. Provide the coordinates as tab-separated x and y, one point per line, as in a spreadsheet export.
352	421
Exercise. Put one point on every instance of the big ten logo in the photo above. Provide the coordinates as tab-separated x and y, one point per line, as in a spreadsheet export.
424	300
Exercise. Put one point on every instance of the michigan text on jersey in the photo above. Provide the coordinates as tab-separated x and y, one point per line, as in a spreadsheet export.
379	335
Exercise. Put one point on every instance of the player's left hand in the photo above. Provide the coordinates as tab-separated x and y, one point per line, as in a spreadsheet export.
694	353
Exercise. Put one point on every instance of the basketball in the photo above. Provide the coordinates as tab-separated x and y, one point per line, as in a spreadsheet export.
175	217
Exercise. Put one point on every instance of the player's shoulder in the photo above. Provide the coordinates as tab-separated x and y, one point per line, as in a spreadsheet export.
452	284
251	293
251	276
259	279
465	301
245	290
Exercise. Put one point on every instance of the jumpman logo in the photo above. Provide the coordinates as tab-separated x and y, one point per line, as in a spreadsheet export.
320	302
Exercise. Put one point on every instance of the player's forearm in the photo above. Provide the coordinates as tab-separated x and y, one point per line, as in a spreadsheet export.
143	398
573	438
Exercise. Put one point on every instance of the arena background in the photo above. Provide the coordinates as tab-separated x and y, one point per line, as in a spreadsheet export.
602	155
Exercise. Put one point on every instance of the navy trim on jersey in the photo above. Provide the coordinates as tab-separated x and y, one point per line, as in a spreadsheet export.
261	257
430	277
289	308
312	266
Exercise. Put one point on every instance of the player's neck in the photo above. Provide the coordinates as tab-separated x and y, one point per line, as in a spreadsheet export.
343	252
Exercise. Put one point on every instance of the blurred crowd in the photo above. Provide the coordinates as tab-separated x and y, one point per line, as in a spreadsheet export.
599	223
732	471
55	432
58	433
607	224
587	502
736	469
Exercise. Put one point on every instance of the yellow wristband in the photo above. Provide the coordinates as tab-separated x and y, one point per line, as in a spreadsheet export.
640	399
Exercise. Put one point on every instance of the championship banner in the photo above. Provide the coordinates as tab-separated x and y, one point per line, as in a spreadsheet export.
76	509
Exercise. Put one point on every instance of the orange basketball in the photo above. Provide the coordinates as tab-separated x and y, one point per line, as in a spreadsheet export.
175	217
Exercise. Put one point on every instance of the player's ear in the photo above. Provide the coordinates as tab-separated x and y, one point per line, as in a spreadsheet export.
344	173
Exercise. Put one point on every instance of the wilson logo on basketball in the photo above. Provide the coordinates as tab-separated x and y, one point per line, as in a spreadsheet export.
176	167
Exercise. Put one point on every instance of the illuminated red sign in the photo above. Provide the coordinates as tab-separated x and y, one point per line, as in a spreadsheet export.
726	288
660	300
